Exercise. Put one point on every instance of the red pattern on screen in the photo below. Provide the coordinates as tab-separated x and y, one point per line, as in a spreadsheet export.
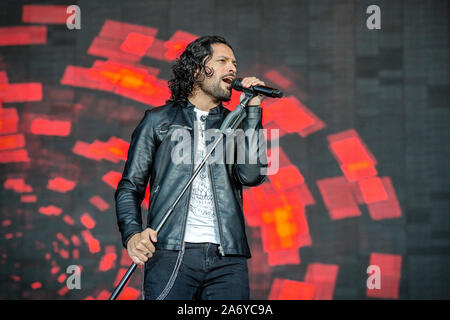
390	271
276	210
50	127
14	36
60	184
49	14
283	289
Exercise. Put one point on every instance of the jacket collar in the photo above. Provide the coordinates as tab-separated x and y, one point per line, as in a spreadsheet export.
213	111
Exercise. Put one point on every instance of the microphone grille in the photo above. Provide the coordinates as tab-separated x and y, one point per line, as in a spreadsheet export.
236	83
277	93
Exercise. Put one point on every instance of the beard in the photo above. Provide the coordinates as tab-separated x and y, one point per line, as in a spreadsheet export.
215	89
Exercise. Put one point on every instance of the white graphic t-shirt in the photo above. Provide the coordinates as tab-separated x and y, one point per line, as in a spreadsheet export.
201	222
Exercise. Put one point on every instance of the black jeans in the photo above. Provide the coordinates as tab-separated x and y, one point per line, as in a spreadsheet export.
201	273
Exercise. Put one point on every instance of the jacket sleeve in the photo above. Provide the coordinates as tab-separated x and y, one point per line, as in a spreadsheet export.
252	173
131	188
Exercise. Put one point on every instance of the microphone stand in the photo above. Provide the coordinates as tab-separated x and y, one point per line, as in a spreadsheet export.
228	126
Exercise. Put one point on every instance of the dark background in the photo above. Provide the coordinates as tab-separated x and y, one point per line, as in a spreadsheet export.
390	85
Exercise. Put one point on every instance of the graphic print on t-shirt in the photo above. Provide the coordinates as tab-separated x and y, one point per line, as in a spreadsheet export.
201	224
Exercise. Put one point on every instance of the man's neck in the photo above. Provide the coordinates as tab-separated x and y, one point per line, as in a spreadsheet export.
203	101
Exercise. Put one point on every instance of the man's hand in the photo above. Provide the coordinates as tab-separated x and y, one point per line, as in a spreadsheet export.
140	246
252	81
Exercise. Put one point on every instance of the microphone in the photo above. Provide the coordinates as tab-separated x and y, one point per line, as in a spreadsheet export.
266	91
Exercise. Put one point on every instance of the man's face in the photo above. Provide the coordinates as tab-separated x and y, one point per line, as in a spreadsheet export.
224	65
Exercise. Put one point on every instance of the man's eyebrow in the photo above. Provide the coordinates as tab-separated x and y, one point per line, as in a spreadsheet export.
226	58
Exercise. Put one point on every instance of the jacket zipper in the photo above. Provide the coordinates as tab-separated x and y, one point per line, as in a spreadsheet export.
187	212
221	251
190	191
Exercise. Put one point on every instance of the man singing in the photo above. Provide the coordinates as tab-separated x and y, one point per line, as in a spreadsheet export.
201	251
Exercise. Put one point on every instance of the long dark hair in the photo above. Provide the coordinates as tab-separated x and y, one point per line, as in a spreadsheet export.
193	57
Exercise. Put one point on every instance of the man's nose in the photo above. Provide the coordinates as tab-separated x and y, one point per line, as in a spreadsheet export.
232	68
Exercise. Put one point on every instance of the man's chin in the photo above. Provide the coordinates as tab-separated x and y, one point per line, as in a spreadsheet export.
221	94
226	99
226	96
226	93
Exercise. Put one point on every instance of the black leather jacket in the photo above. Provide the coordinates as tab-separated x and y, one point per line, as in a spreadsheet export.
149	157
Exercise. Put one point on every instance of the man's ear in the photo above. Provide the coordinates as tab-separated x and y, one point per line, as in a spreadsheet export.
196	73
